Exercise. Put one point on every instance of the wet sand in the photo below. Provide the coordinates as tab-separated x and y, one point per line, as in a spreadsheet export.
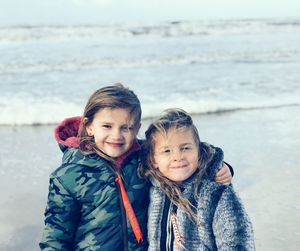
262	146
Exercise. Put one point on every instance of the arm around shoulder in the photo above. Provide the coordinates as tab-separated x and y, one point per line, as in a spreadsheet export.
231	225
61	218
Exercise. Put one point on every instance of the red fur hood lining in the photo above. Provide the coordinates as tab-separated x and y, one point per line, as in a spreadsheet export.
67	131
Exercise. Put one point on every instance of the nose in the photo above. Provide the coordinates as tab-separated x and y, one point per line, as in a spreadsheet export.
176	155
116	133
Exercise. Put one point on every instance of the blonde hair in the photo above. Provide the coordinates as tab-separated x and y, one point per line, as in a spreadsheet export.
180	120
114	97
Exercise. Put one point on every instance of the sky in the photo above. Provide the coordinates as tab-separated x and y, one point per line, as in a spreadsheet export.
36	12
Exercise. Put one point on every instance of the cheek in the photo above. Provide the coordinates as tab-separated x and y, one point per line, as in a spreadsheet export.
160	163
194	162
130	137
98	135
154	162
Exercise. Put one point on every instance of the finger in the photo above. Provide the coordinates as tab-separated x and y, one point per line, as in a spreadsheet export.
223	178
222	171
224	182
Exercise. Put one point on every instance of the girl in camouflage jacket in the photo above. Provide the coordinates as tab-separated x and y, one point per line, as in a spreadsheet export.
96	199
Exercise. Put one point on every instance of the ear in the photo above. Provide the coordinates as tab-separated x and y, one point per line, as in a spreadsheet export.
137	128
90	130
153	163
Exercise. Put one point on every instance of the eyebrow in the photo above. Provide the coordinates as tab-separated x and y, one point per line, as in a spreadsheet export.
105	122
163	147
188	143
112	123
181	145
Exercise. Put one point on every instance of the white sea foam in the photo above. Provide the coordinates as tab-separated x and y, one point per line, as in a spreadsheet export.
179	59
30	111
168	29
211	106
35	112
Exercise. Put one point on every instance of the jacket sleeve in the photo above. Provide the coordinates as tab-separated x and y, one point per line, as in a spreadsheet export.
216	162
230	168
214	156
61	217
231	224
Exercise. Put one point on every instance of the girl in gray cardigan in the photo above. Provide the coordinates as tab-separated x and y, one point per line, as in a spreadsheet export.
188	210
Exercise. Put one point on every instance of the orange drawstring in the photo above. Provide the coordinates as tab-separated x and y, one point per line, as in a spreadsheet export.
129	211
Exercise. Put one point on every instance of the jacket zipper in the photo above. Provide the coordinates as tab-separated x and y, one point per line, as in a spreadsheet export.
166	238
170	233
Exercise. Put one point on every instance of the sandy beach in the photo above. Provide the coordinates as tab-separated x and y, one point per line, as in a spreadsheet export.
262	146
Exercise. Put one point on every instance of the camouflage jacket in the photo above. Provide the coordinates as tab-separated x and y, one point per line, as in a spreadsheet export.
84	210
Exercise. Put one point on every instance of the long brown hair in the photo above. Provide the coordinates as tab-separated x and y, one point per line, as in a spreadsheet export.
114	97
180	120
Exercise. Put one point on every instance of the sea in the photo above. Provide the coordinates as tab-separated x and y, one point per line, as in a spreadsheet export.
47	73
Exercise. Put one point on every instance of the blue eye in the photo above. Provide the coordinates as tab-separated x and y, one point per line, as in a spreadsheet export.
165	152
126	128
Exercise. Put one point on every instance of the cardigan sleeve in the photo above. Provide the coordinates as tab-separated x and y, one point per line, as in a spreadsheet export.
61	217
231	224
230	168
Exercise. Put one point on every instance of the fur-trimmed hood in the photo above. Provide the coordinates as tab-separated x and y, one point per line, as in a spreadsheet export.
66	133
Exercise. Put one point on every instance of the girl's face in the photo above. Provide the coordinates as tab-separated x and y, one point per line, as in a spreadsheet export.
175	154
113	131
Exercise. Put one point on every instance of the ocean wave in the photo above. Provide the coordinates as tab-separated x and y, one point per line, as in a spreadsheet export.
28	111
58	34
213	107
36	113
208	58
285	23
251	107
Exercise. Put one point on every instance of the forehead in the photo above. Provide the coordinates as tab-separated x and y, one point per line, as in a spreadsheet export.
174	136
116	115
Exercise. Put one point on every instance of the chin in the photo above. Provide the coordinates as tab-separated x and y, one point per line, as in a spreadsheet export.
177	180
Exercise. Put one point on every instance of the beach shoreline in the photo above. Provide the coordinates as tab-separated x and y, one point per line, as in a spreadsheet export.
261	145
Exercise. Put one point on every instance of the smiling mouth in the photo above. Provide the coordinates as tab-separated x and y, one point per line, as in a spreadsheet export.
115	144
178	167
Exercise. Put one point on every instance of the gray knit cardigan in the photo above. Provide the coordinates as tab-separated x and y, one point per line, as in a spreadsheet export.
222	223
